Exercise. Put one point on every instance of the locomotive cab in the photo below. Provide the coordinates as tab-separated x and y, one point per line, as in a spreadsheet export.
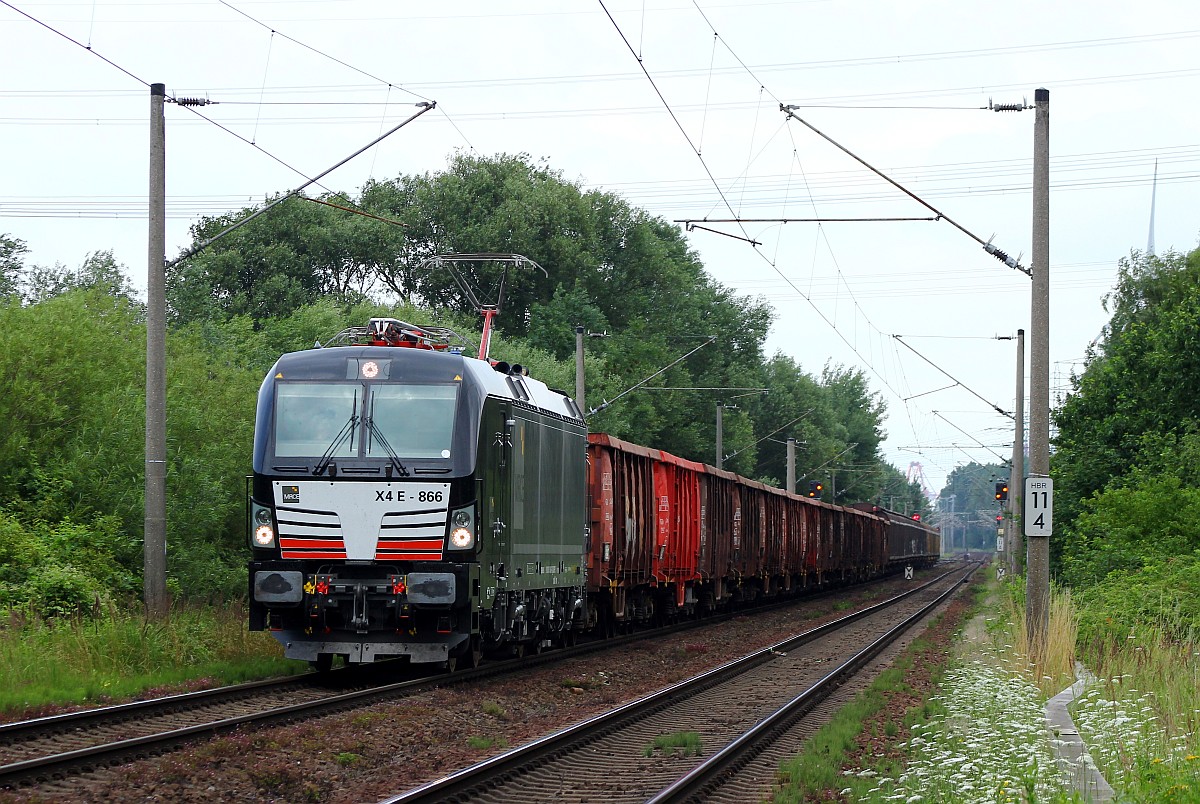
376	529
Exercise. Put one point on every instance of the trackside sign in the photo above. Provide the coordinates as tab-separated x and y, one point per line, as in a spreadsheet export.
1038	514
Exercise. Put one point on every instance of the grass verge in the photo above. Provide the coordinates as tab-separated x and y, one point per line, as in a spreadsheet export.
1141	716
49	665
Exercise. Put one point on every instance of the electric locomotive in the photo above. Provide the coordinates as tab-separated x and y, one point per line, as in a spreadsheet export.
412	501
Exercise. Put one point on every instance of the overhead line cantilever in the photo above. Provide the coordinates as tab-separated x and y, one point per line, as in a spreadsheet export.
425	107
986	244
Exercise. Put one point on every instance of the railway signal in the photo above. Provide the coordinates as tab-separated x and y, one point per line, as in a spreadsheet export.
1002	491
815	488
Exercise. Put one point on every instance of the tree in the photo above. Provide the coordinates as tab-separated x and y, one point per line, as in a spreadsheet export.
291	256
11	265
1141	380
860	415
898	494
99	271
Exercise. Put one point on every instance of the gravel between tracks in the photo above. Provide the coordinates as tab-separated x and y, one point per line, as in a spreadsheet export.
371	754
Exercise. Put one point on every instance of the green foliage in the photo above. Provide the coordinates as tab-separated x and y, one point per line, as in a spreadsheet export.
117	654
682	743
482	743
19	549
285	259
1141	383
1164	592
11	266
72	455
65	569
1122	528
58	590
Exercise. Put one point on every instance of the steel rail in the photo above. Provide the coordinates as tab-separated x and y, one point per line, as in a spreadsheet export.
35	769
460	785
716	770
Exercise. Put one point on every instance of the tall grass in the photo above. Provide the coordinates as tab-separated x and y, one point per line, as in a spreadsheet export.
979	737
1141	719
1054	669
118	654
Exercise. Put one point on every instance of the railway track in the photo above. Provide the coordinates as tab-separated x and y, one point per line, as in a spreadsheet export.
748	709
58	747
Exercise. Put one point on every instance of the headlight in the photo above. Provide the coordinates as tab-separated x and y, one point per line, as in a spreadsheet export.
264	536
462	529
461	538
263	533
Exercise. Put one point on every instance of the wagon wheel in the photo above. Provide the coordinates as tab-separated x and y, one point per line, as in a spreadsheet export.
474	654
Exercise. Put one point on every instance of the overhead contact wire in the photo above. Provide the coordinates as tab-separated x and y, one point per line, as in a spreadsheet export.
75	42
201	246
294	41
965	387
358	70
674	117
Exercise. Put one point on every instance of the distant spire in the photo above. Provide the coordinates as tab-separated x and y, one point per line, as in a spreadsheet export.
1153	192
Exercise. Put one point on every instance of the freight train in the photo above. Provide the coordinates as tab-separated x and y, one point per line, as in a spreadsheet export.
408	500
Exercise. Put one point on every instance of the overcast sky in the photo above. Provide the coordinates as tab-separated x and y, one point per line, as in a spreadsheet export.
298	85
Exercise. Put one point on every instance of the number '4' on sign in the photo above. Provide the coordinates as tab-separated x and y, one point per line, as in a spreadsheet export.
1038	513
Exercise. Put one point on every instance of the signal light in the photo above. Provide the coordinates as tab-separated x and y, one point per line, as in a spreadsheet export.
999	518
1002	491
916	517
812	488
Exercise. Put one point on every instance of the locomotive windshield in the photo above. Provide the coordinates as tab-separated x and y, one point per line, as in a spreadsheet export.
416	421
355	420
317	419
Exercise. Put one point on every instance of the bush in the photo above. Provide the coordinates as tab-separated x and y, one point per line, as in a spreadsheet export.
1125	527
64	569
1165	593
58	590
19	550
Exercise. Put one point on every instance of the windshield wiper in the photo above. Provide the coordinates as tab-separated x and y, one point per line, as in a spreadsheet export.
378	433
374	430
347	431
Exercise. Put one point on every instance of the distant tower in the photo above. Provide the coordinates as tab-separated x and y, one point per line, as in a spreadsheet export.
916	474
1153	192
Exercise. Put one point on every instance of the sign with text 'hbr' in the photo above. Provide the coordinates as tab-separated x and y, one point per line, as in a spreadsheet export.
1039	506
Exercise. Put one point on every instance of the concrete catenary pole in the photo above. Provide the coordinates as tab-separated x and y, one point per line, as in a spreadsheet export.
791	466
1037	578
1016	482
579	368
154	551
720	435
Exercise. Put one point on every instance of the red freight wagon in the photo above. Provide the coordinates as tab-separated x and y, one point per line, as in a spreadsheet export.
720	536
645	528
677	531
672	537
